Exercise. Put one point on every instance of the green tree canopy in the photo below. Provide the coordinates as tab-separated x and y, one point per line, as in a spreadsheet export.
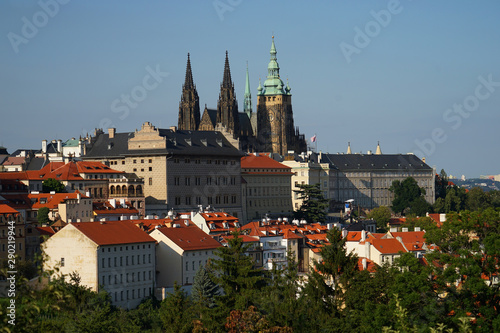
314	205
408	197
381	215
52	184
43	216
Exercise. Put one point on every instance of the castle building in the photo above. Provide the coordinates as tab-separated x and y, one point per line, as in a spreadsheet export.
270	129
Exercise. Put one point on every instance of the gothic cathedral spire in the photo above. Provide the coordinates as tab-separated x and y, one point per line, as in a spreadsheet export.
227	106
248	97
189	106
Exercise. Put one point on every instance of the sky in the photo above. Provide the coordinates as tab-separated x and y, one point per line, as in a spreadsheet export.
416	76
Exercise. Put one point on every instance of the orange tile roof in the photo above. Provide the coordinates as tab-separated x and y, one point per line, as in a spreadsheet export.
105	208
52	200
412	240
289	234
353	236
68	171
387	245
370	265
218	216
112	232
262	162
190	239
11	160
6	209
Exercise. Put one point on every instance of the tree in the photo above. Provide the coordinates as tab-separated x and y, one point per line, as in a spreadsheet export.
314	205
476	199
454	200
465	264
407	196
381	215
175	312
52	184
441	184
204	291
43	216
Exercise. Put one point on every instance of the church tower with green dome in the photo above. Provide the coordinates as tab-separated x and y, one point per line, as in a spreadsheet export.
276	131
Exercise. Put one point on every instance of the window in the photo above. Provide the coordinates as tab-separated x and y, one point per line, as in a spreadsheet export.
126	261
187	266
134	161
188	200
150	161
187	160
62	259
187	181
102	262
197	181
177	200
150	181
149	258
176	160
142	161
177	180
109	262
123	162
150	168
193	265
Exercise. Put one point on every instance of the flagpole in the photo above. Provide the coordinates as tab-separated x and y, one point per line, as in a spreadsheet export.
316	143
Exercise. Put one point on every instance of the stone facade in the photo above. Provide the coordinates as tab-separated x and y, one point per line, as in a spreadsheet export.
181	169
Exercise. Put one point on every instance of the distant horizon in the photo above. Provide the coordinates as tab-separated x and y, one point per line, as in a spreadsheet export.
419	77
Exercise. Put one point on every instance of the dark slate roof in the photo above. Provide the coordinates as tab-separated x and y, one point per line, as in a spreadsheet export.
245	125
37	163
177	144
356	162
212	113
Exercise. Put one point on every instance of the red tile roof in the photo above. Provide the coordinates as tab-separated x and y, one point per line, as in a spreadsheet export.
387	245
262	162
370	265
105	208
46	231
412	240
6	209
52	200
190	239
14	160
112	232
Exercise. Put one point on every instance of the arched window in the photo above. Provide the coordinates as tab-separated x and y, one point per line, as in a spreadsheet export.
131	190
138	190
118	190
112	189
124	189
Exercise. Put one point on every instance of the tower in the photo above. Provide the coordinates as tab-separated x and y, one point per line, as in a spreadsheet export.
189	106
227	106
276	132
248	97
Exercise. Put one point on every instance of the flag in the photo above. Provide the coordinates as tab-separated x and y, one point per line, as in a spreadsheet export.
313	139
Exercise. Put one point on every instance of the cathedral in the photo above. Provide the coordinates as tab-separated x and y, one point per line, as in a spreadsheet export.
270	129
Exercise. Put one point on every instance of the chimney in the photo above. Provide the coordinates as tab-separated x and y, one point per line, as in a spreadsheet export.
111	132
112	202
363	235
364	263
59	146
44	146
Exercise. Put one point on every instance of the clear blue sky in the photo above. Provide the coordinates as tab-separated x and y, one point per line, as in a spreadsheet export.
398	87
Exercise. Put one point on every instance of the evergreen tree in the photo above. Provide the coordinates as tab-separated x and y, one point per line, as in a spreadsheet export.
203	292
314	205
176	312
